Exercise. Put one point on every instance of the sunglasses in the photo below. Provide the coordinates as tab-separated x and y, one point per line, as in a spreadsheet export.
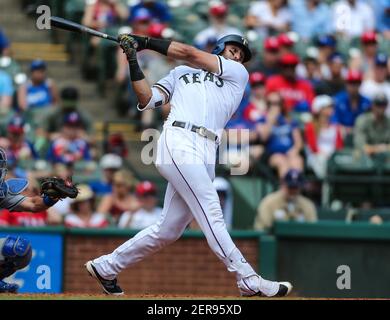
380	105
274	103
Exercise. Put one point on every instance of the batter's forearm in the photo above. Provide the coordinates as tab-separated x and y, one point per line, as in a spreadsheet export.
198	58
179	51
142	91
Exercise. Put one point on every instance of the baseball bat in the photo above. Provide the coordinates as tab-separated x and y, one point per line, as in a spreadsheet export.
65	24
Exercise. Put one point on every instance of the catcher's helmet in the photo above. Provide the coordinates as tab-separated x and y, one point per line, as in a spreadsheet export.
234	39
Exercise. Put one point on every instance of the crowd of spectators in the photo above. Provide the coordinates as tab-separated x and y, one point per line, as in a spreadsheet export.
318	83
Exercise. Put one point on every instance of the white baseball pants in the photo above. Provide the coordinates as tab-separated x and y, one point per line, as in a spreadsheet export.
187	161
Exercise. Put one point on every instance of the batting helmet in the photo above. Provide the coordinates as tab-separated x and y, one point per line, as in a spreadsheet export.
236	40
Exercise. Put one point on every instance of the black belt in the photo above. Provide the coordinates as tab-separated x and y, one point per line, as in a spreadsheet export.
202	131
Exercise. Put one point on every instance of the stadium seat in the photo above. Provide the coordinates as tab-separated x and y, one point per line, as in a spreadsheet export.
352	178
247	194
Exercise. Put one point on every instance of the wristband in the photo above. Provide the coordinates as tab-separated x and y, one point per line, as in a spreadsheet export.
49	202
159	45
136	73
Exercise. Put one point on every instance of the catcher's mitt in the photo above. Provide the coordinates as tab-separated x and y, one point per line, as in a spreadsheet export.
57	188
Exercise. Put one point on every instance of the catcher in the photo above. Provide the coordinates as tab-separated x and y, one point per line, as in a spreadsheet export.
16	252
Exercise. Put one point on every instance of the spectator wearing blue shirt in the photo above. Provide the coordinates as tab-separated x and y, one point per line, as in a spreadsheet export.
350	104
159	10
6	92
382	15
4	44
311	18
39	91
281	136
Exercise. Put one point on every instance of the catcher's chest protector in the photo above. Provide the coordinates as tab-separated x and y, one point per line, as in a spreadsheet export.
12	187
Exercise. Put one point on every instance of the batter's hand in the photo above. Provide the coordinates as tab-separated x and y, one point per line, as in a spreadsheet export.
129	46
142	41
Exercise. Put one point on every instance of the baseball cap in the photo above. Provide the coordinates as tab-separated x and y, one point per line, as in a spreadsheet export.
142	14
285	41
256	78
369	37
271	44
326	41
218	9
145	188
336	57
354	76
320	102
85	193
16	125
111	161
289	59
156	29
294	178
380	99
73	119
38	65
159	30
381	60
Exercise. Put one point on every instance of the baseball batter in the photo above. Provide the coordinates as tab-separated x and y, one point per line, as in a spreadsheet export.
203	96
16	252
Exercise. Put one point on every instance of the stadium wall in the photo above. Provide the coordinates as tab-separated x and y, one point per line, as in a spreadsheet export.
308	255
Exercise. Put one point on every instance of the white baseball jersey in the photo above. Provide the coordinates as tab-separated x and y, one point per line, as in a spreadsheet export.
203	98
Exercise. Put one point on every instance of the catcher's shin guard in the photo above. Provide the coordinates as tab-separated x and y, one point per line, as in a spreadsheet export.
15	254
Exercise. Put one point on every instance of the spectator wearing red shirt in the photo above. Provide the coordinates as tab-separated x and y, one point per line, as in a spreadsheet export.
322	137
83	215
297	94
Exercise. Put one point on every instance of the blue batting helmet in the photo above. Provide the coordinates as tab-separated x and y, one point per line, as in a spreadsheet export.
236	40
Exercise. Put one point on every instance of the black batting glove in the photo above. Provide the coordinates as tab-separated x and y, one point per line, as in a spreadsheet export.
129	46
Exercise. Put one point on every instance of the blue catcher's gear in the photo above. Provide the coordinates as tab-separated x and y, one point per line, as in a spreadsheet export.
236	40
15	254
8	287
16	186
